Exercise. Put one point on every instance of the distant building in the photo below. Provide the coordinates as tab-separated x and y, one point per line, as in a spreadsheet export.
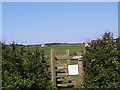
87	45
43	45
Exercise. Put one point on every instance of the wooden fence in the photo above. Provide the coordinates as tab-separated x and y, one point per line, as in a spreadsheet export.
59	71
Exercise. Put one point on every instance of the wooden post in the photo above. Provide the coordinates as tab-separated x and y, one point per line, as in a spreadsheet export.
53	73
67	54
84	50
81	71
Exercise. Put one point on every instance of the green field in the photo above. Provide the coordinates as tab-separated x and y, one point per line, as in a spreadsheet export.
60	48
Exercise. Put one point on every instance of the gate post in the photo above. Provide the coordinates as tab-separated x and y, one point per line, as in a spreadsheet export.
67	54
53	73
81	71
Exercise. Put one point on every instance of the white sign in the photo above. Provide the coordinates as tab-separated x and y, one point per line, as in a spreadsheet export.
77	57
73	69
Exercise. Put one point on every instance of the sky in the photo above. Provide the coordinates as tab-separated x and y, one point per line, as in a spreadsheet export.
61	22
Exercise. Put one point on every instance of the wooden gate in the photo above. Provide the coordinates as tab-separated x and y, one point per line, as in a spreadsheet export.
60	73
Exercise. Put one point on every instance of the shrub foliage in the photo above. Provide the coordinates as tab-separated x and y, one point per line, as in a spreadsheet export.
102	63
23	68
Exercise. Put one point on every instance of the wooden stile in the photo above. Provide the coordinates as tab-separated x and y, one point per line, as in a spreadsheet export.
59	72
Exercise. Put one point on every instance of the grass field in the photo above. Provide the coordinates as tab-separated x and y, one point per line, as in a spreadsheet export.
60	48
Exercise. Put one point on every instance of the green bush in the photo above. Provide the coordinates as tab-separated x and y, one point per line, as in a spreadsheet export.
24	69
102	63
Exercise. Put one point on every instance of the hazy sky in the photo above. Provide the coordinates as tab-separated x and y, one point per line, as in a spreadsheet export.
39	22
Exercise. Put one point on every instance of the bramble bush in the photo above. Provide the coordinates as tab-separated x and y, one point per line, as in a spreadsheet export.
23	68
101	63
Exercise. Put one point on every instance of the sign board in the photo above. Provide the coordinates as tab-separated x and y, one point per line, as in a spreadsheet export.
73	69
77	57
